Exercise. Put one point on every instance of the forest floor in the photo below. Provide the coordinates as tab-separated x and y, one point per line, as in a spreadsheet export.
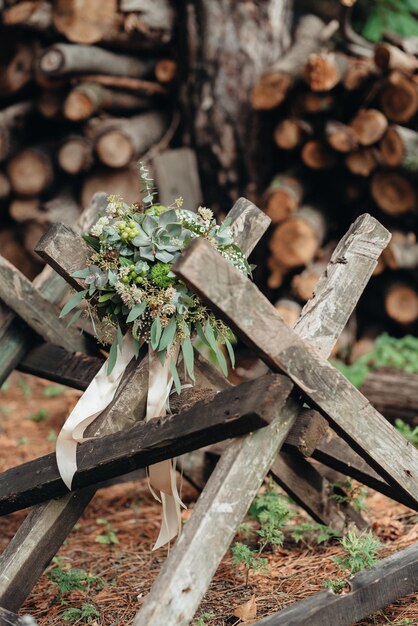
116	577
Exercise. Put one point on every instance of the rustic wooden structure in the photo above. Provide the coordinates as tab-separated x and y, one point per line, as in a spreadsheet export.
267	411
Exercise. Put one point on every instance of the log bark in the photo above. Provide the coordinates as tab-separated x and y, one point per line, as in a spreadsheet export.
394	393
388	57
89	98
85	22
399	99
401	303
324	70
283	196
118	142
153	20
402	252
362	162
62	59
272	87
317	155
369	125
399	148
30	171
140	87
12	120
359	73
291	133
310	103
394	193
76	154
224	35
340	137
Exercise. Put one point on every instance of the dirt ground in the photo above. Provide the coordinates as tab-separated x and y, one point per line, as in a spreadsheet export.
31	413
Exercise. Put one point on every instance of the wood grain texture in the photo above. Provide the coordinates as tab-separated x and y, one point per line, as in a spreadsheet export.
19	294
230	413
127	407
370	590
187	573
257	322
177	176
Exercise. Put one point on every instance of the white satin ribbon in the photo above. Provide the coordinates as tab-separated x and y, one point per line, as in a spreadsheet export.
162	476
96	398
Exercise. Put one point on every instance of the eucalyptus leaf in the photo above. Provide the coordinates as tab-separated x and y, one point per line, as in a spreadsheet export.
106	296
136	311
230	352
156	331
71	304
81	273
119	337
92	241
188	356
74	318
168	335
113	354
175	375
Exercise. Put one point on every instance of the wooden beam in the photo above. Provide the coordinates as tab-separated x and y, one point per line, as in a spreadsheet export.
127	408
370	590
7	618
15	339
20	295
238	301
177	175
187	573
230	413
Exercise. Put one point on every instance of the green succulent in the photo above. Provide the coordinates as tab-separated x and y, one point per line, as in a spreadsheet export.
162	275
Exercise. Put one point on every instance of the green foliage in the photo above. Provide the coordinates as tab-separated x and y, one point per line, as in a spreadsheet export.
396	16
272	512
242	555
51	391
68	580
108	536
347	493
321	533
25	387
39	416
202	619
360	550
85	612
389	351
160	275
5	387
409	432
336	585
52	436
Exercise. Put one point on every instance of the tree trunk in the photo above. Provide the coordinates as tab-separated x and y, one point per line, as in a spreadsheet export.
89	98
230	44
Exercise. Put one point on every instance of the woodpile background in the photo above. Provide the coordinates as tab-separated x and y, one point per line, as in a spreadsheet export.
343	128
85	90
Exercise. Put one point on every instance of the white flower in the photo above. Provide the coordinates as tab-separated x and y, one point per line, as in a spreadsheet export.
205	214
98	227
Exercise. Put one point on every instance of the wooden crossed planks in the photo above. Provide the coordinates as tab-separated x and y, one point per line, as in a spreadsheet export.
187	573
32	548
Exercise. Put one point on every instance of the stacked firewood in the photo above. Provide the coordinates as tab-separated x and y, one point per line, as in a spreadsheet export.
84	93
345	133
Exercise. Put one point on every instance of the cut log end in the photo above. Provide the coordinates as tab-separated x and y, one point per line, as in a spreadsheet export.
294	243
369	126
166	70
78	106
51	61
30	172
115	149
75	155
361	162
401	304
393	193
290	133
271	90
322	72
317	156
341	137
399	99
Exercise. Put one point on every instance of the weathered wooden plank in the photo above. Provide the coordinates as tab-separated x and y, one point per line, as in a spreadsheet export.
15	338
127	408
177	175
257	322
58	365
19	294
370	590
308	488
230	413
187	573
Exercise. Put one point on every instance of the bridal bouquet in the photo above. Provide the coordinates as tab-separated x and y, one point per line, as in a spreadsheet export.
133	297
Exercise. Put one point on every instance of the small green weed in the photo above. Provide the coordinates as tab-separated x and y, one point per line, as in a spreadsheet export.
85	612
250	559
272	512
360	549
52	436
39	416
74	580
51	391
108	536
347	493
202	619
336	585
25	387
409	432
321	533
22	441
